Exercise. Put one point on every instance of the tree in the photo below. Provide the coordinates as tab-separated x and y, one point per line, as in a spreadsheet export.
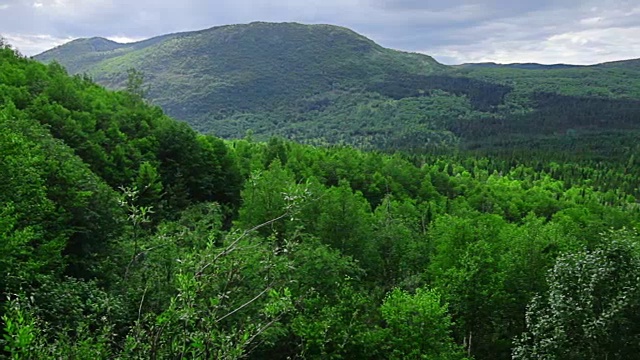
417	327
149	185
345	224
592	307
264	197
135	84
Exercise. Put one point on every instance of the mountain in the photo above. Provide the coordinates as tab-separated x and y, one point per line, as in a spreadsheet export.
324	84
199	75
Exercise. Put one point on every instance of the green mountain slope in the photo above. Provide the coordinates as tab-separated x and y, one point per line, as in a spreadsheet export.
324	84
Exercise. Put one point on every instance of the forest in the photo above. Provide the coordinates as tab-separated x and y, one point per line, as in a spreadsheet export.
125	234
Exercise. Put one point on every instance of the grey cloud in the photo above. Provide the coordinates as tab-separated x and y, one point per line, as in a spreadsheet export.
558	35
493	8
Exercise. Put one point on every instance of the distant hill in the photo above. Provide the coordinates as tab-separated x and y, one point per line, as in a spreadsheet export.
80	55
628	64
625	64
523	66
324	84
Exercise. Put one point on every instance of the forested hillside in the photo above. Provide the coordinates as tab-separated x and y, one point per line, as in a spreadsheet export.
127	235
326	85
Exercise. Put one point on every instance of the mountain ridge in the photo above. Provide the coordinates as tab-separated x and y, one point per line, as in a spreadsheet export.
524	66
538	66
56	52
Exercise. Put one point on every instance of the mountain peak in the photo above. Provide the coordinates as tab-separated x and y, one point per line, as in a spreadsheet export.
80	49
280	33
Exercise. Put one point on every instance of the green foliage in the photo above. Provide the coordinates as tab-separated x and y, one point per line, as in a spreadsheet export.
417	327
332	324
116	136
19	333
26	337
57	197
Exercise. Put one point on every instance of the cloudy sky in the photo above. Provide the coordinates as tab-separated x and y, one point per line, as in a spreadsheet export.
453	31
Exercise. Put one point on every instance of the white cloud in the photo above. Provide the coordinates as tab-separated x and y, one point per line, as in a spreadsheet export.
29	44
124	39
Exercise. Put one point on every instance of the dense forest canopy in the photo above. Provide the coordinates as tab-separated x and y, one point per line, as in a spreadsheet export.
127	235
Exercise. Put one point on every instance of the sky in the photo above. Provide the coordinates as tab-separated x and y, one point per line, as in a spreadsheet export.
452	31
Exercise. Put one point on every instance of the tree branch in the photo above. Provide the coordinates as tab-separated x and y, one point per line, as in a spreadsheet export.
245	304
